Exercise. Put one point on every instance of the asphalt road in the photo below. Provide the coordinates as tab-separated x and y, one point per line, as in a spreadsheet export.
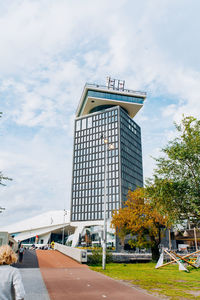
29	260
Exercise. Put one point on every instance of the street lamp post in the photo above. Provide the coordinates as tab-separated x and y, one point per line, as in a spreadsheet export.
63	232
105	204
107	147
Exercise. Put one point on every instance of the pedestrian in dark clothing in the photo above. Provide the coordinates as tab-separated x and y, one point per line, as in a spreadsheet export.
21	253
19	245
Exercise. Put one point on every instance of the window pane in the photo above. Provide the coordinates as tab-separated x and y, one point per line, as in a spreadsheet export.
78	125
89	122
83	124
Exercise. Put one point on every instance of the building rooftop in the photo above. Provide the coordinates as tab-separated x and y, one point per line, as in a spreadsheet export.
99	96
47	219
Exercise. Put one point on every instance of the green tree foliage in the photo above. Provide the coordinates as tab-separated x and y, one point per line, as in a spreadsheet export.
2	178
176	182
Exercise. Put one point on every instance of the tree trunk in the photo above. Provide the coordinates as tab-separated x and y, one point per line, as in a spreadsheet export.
154	249
155	253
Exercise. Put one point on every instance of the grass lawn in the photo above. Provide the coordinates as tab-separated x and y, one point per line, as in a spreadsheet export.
168	281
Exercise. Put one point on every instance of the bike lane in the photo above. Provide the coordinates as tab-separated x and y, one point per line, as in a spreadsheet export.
67	279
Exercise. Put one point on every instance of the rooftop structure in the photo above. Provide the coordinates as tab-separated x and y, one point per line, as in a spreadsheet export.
96	97
47	226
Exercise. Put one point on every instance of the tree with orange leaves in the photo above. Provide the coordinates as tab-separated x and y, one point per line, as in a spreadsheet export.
142	220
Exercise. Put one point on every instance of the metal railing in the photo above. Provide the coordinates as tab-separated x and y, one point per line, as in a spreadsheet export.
139	93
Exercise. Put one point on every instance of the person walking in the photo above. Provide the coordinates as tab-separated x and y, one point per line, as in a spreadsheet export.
19	245
11	286
21	253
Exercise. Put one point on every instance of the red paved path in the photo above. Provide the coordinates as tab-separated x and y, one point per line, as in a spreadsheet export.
67	279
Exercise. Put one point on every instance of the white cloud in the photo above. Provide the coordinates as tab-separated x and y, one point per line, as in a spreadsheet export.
50	49
41	173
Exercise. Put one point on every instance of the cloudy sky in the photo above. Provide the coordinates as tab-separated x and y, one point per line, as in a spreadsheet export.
49	49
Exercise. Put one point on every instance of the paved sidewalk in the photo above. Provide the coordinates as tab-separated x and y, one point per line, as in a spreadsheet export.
84	284
49	274
32	279
67	279
29	260
34	285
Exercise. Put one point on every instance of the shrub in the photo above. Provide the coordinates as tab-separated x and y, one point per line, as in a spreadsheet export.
96	257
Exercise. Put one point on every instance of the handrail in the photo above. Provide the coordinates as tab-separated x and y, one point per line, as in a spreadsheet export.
116	89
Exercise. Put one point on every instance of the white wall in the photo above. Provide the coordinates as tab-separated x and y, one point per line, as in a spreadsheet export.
45	238
4	238
75	253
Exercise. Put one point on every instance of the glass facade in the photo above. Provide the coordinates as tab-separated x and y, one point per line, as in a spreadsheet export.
124	162
114	97
130	154
111	96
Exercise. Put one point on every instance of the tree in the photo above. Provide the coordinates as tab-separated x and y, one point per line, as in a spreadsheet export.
176	180
142	220
1	174
3	178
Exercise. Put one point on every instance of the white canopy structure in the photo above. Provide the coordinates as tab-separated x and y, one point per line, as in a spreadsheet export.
41	226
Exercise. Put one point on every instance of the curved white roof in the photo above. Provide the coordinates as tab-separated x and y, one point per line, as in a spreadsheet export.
48	219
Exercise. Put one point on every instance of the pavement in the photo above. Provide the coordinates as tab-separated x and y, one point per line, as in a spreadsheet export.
34	285
30	260
50	275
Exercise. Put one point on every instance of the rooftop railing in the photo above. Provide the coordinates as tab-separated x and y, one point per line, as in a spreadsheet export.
139	93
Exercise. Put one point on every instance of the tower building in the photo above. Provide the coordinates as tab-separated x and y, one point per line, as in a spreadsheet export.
107	150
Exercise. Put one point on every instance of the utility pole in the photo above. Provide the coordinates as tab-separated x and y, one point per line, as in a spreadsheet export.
63	231
107	147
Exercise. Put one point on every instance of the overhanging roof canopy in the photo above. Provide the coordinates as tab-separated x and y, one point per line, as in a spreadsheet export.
95	96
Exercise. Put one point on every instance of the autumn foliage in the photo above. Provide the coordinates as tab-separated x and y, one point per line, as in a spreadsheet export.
140	218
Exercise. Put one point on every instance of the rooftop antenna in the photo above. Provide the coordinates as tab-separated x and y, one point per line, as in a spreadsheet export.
115	84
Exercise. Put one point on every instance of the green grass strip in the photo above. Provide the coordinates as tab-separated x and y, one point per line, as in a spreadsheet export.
168	281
